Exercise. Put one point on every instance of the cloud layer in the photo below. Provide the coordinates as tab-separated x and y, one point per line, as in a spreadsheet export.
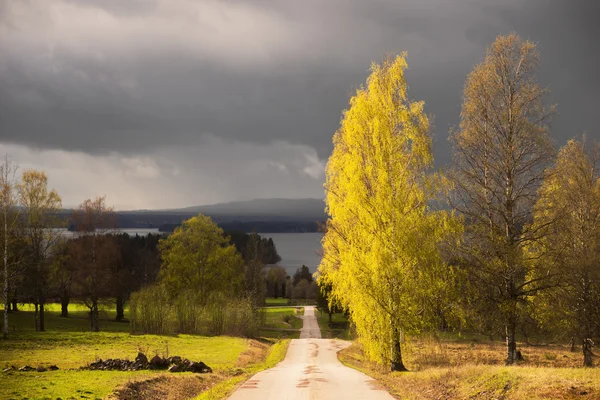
222	100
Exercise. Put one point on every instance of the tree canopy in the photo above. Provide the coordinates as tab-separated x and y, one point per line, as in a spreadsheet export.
199	258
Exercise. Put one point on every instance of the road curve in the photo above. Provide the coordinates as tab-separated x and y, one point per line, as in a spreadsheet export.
311	370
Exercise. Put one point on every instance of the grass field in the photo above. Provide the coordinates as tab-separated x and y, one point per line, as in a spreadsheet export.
283	317
280	301
281	322
474	370
68	344
78	320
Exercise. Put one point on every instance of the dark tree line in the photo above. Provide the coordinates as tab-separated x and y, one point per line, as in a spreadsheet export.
123	264
262	247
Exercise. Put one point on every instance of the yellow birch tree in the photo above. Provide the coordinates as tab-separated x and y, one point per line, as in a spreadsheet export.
380	247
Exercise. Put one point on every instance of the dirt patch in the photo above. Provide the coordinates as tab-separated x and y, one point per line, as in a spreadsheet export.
166	387
256	352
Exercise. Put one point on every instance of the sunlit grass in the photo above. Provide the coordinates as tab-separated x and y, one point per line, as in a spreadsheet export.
68	344
77	321
280	301
479	373
283	317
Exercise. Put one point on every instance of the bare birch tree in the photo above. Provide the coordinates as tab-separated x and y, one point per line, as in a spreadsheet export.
41	207
501	151
10	217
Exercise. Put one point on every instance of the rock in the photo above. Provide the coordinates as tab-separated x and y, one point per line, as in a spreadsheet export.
159	363
26	368
199	367
177	368
41	369
177	364
141	358
174	360
53	368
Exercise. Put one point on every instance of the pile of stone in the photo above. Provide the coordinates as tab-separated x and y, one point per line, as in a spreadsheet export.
172	364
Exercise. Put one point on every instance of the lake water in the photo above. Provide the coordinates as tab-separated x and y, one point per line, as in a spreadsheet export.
297	249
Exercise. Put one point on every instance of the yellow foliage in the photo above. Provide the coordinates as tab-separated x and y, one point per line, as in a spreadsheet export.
380	248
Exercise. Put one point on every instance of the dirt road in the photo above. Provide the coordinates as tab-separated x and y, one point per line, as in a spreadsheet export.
311	370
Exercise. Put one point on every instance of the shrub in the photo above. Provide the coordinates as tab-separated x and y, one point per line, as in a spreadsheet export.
152	311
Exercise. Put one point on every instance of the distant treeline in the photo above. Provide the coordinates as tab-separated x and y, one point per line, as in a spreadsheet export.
258	226
168	222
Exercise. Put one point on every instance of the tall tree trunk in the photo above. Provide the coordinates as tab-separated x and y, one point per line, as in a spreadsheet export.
120	308
6	304
587	352
64	305
397	364
6	310
330	317
42	319
36	316
94	325
15	306
511	340
572	344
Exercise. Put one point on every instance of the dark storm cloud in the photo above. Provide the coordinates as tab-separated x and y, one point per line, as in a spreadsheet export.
102	76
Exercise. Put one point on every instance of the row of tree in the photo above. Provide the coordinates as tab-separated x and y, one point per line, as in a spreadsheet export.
509	235
42	263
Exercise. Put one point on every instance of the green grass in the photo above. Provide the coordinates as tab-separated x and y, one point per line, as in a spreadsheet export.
340	328
283	317
73	350
63	384
280	301
78	320
68	344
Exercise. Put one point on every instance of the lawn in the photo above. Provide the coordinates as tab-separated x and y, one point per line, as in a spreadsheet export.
283	317
280	301
68	344
456	369
78	320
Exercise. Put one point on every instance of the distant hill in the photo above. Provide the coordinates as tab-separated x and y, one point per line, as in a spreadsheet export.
297	209
260	215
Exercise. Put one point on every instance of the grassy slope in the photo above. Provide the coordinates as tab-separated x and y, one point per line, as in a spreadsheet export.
67	345
464	371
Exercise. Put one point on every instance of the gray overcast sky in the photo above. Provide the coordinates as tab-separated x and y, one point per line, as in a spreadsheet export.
167	103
